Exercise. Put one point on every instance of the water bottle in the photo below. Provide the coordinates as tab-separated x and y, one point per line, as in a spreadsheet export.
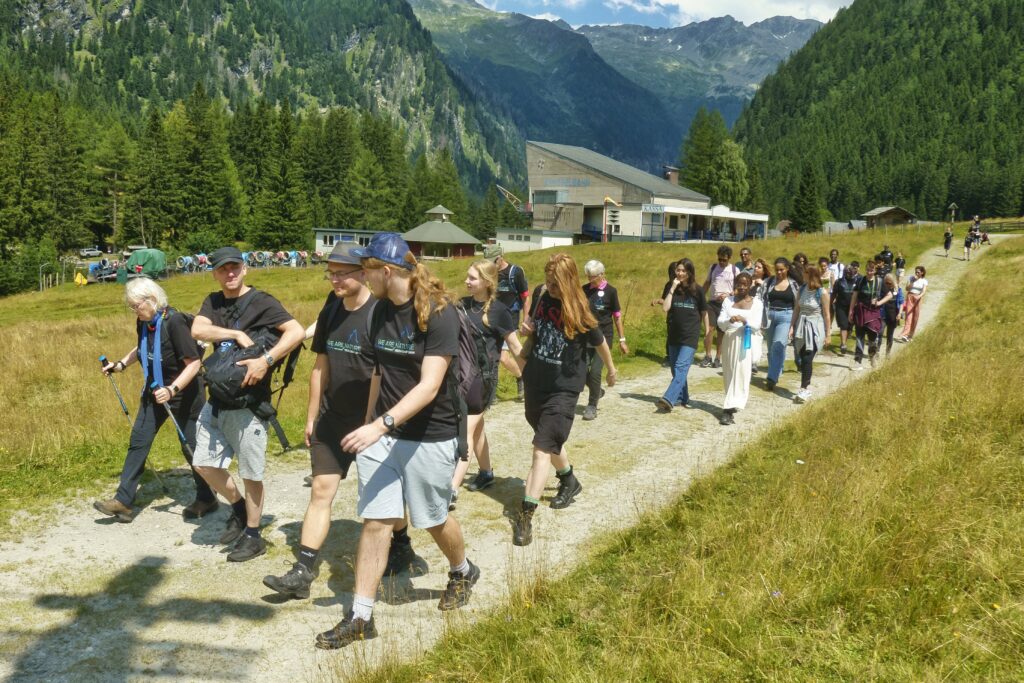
746	337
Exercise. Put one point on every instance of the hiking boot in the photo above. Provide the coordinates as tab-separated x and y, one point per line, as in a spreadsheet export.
717	364
402	559
459	588
568	488
726	418
247	548
522	528
115	508
707	362
519	389
483	479
232	530
769	385
294	584
663	406
590	413
346	631
198	509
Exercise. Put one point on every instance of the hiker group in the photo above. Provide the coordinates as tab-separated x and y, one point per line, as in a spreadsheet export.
403	377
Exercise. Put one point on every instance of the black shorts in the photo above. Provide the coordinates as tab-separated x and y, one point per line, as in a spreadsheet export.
551	417
842	317
325	454
714	310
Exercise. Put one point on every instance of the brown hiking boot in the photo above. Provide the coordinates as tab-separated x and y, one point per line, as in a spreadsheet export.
199	508
115	508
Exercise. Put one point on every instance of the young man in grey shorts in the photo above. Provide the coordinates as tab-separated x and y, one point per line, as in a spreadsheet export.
407	452
229	317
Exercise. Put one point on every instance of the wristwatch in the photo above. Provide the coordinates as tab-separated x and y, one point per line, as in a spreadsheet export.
389	422
270	359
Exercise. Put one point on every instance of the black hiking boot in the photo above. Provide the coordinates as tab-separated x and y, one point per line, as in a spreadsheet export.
522	526
568	488
294	584
459	588
247	548
232	530
348	630
402	559
482	480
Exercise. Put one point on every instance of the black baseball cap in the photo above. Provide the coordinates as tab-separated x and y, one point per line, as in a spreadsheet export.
226	255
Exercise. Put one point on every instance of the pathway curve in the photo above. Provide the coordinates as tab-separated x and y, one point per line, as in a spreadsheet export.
95	600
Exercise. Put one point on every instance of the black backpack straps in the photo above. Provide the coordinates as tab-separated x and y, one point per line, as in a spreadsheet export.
237	311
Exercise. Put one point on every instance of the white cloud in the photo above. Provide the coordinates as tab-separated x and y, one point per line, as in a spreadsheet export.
547	16
748	11
641	6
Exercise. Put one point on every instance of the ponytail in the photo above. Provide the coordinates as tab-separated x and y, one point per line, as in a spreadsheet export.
428	293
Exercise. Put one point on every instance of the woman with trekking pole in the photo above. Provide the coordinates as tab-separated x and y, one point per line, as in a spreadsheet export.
555	372
170	357
495	324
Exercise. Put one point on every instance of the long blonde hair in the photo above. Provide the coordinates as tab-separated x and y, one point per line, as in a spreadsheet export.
576	315
488	272
428	292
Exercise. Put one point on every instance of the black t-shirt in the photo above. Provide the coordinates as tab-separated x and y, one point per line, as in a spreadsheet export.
779	299
500	323
344	337
262	312
844	288
176	346
557	363
399	348
511	287
604	304
685	317
870	288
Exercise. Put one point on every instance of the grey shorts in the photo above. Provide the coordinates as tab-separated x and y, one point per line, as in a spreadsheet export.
231	432
394	474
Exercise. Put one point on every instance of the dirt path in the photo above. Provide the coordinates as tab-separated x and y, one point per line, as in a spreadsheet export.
92	600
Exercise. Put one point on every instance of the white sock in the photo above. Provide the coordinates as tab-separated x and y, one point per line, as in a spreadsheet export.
462	568
362	608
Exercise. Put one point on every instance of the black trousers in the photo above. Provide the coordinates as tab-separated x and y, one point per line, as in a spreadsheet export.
147	423
594	367
806	357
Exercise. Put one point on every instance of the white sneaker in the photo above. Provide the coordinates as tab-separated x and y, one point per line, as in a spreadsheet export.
802	396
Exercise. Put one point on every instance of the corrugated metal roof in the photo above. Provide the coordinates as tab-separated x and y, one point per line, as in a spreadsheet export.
885	209
436	232
624	172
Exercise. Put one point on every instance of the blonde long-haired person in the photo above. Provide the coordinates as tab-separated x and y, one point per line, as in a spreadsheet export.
406	452
555	371
497	325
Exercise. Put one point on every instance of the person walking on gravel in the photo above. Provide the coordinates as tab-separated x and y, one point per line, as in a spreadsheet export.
781	294
947	239
811	325
916	288
842	301
717	286
407	450
867	315
514	293
604	304
686	311
497	325
555	370
169	356
339	390
231	317
740	320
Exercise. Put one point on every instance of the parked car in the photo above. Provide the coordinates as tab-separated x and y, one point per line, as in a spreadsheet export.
89	252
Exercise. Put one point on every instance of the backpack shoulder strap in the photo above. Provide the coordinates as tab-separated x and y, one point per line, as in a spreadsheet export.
239	310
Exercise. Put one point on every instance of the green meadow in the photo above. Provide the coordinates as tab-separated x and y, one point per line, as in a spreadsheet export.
63	434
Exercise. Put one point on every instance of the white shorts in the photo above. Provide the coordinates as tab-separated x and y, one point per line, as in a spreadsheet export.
231	432
394	473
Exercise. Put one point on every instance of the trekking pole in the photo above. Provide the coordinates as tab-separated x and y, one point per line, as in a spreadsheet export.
120	398
174	421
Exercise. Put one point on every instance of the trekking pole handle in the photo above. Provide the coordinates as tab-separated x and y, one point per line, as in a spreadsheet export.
177	427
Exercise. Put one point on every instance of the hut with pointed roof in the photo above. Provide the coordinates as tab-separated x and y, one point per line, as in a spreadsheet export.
440	238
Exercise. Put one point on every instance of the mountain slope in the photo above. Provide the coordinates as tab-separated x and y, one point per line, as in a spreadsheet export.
918	103
550	82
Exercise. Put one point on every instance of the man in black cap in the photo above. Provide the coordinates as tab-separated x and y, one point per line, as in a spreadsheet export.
233	316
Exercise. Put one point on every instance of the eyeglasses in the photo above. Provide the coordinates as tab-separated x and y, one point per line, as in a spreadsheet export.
137	305
339	275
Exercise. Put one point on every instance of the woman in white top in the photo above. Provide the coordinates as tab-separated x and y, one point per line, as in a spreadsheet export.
810	327
740	320
916	288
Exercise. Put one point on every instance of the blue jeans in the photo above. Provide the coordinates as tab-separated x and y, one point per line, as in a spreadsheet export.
778	339
680	358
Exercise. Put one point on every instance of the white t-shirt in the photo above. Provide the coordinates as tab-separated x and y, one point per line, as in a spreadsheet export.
917	285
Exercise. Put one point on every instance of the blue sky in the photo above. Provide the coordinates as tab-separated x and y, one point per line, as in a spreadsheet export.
665	13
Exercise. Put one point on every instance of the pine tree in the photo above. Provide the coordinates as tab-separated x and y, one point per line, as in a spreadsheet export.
807	206
702	150
149	210
365	190
446	188
728	175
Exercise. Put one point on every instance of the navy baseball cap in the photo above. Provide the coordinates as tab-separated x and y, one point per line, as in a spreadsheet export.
226	255
388	247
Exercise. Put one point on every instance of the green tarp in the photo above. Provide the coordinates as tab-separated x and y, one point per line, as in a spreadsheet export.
153	262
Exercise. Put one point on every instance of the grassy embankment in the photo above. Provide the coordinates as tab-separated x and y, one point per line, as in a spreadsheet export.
63	432
892	553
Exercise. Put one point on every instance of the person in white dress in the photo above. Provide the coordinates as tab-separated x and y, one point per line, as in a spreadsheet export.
740	321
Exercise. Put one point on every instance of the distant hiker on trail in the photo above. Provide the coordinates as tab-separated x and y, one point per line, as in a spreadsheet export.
968	243
947	239
604	304
686	311
781	296
717	286
514	293
496	325
555	371
740	320
842	302
170	357
237	316
407	450
916	288
901	267
867	315
811	323
890	310
339	390
835	266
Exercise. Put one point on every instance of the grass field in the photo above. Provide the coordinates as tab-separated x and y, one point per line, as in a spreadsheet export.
893	553
63	434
